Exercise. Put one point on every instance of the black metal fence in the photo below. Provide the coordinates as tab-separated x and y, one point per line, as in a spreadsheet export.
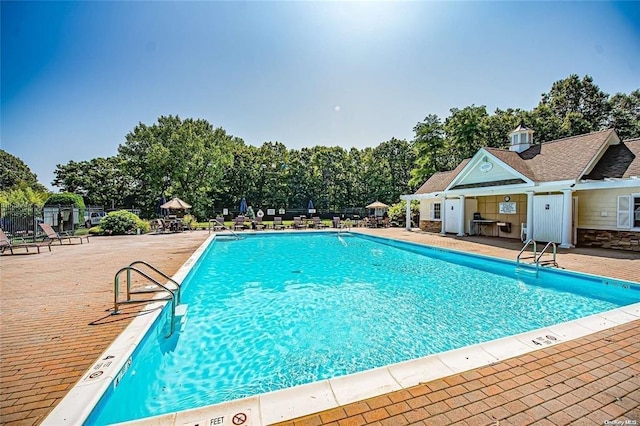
20	220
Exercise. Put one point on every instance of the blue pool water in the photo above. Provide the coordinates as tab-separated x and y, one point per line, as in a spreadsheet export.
273	311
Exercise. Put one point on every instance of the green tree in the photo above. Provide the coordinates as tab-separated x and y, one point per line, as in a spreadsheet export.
428	144
14	172
466	131
579	104
176	158
100	181
625	114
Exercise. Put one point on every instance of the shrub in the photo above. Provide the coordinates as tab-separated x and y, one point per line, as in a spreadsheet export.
123	222
95	230
66	199
189	222
398	211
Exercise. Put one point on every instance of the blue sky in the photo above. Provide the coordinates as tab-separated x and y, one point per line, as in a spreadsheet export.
78	76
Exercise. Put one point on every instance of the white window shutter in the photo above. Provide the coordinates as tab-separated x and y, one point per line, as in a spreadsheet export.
432	211
624	211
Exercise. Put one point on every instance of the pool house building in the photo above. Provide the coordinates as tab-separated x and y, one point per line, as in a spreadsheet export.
577	191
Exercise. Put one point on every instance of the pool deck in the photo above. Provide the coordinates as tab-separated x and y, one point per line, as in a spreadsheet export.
55	324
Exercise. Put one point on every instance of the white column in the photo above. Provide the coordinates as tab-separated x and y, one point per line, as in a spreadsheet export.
408	216
529	215
567	202
461	217
443	213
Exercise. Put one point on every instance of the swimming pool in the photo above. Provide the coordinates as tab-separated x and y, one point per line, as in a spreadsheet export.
274	311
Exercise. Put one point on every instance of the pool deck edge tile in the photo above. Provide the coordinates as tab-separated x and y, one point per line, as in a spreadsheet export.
416	371
362	385
289	403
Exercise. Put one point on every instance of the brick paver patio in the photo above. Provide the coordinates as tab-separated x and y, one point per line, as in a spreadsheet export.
55	323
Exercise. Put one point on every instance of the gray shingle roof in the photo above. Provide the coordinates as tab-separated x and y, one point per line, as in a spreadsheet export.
619	161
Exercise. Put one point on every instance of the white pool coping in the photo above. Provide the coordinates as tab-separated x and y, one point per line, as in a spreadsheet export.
302	400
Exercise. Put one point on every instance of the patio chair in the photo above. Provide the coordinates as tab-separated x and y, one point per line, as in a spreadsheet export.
218	224
298	223
336	222
238	223
52	235
317	223
277	223
160	226
5	243
259	226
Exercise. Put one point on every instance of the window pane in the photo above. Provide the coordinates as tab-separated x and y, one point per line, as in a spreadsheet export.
636	212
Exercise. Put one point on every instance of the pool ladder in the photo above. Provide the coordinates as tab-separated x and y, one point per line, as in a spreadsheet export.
172	290
537	257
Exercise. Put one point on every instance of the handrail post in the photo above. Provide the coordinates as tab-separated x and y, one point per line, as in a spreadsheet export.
128	284
116	291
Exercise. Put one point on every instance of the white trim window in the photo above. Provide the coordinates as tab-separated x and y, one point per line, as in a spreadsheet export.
628	216
435	212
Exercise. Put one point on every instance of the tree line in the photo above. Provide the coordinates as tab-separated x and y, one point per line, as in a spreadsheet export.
212	170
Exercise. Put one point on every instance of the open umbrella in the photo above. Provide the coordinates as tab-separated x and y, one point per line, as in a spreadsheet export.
176	203
243	205
377	205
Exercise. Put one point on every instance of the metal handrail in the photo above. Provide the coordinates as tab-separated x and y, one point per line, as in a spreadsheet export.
142	262
526	244
553	260
116	285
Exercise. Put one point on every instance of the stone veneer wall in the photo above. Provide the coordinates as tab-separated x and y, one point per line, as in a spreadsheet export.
619	240
431	225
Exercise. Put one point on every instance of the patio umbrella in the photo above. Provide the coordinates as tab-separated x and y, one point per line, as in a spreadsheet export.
243	205
379	207
310	205
176	203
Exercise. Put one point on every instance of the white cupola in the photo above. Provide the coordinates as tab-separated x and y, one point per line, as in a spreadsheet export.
521	138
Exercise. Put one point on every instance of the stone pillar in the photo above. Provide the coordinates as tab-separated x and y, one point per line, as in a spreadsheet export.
461	218
567	213
407	225
529	215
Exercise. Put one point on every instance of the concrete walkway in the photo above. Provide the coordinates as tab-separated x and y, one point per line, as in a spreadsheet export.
55	322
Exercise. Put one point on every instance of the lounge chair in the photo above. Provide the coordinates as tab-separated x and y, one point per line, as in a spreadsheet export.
277	223
52	235
218	224
317	223
238	223
297	223
5	243
336	222
258	223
